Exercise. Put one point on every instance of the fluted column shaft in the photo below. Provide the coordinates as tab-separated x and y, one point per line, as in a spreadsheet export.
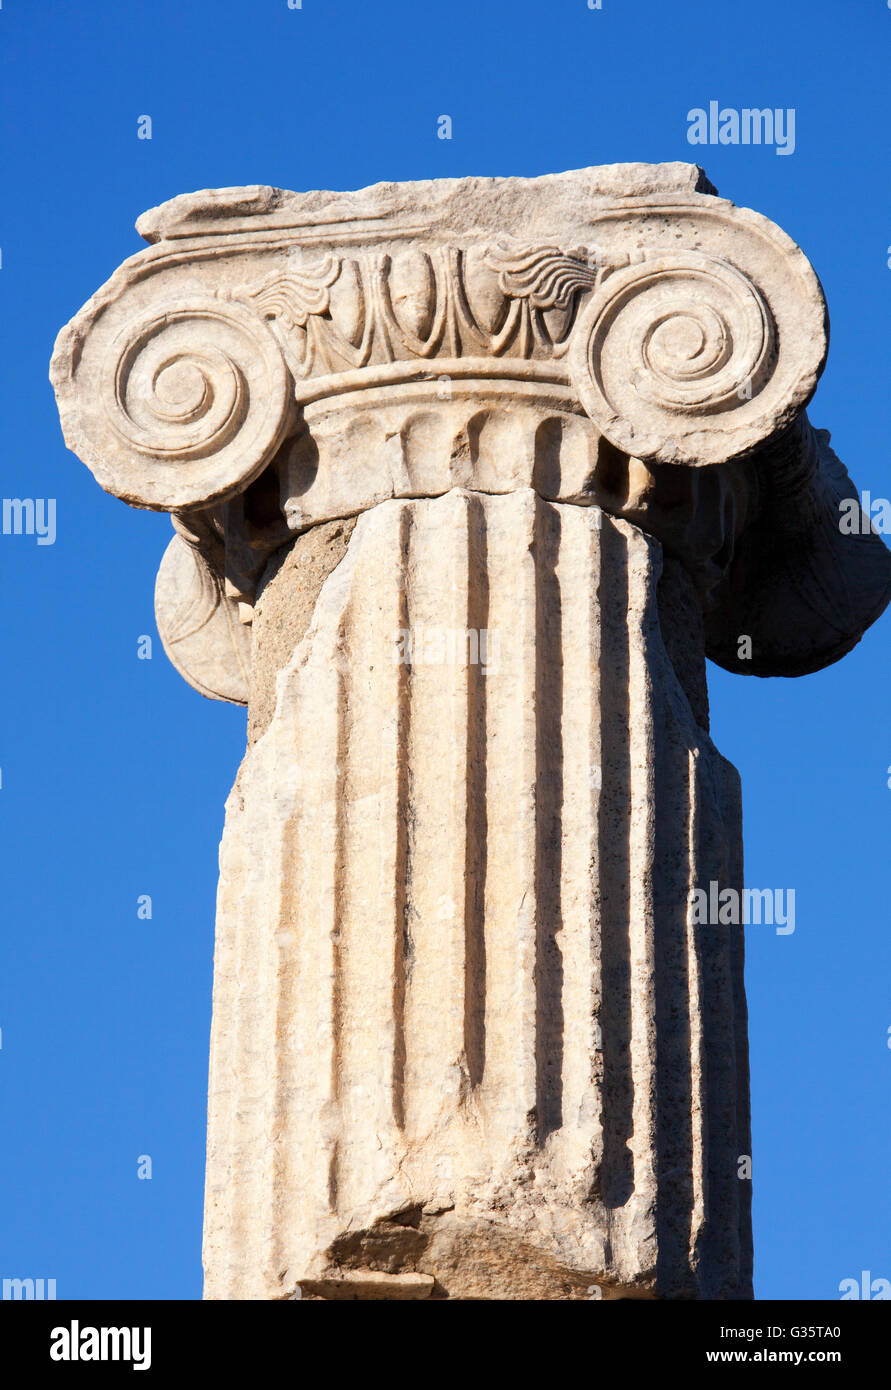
462	1028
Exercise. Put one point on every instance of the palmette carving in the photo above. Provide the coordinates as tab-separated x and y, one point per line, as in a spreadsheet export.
546	276
339	315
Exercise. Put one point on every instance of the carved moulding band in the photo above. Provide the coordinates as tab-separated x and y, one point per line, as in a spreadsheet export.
439	376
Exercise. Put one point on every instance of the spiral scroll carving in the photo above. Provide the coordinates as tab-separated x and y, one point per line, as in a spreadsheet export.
668	341
196	399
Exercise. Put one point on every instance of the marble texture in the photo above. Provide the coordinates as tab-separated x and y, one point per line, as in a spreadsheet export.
467	478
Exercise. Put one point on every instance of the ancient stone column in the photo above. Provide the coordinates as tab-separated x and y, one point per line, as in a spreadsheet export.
467	478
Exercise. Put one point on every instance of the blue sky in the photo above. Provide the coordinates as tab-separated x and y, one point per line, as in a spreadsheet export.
114	772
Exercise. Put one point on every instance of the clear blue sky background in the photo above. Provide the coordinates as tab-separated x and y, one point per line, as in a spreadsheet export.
114	772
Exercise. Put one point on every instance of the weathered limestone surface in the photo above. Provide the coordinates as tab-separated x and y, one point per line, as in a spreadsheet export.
467	478
465	1018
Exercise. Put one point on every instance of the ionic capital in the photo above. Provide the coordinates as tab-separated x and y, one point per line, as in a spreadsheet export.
618	336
